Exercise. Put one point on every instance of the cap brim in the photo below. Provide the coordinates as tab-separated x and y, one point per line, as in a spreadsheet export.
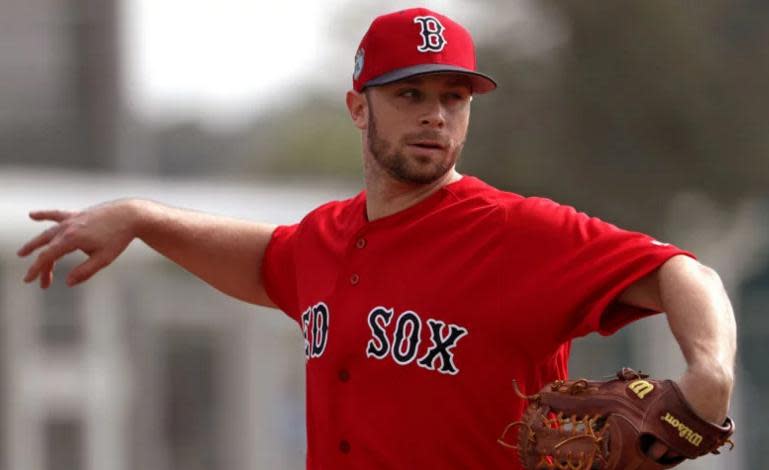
481	83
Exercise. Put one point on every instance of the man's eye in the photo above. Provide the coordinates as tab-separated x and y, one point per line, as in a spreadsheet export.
409	93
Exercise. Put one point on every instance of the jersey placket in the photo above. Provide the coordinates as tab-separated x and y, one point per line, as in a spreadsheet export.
351	287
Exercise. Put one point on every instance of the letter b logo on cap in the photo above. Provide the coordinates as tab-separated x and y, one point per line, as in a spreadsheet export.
432	34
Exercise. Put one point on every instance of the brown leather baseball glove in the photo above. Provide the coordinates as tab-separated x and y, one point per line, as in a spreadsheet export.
582	425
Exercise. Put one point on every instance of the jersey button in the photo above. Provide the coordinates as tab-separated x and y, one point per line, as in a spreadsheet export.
354	279
361	243
344	375
344	446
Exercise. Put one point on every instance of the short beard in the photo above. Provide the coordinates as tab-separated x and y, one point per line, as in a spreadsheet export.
397	165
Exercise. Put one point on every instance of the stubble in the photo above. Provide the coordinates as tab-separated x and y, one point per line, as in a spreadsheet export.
416	171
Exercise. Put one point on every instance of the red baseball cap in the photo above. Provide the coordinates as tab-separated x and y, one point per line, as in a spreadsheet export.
413	42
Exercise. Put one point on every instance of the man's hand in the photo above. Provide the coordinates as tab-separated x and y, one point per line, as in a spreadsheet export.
224	252
708	391
102	232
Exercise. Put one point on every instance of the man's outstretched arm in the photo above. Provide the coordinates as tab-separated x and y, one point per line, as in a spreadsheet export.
226	253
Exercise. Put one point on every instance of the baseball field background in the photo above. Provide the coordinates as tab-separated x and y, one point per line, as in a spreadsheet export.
653	115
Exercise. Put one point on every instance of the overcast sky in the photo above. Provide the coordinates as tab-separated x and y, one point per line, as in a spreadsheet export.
218	58
223	60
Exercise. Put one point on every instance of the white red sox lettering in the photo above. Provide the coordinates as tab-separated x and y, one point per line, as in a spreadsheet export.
315	330
406	338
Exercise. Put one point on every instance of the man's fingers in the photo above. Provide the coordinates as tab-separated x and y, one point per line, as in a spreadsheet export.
87	268
47	235
46	276
657	450
47	258
54	215
38	241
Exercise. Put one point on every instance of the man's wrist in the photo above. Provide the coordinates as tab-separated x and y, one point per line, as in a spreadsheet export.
140	213
718	373
708	387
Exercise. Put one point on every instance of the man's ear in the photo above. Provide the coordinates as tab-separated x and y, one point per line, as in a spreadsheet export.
357	105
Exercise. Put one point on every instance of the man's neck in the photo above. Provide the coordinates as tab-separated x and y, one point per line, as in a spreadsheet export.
386	196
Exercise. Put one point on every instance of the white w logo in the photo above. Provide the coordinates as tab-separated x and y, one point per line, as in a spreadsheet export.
432	34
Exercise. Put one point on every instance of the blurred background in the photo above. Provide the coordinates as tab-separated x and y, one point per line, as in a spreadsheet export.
650	114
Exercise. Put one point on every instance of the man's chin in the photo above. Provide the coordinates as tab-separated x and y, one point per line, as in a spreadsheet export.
417	167
419	176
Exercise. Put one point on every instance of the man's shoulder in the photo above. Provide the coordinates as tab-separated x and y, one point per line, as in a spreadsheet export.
474	189
518	210
481	191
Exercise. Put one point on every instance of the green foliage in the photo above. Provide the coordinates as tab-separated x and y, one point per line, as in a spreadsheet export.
315	138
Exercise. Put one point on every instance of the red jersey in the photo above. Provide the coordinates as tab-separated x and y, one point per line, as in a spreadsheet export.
416	324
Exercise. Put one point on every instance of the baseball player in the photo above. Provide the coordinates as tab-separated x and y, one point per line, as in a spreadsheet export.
424	296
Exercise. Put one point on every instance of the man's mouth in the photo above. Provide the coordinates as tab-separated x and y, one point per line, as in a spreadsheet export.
428	144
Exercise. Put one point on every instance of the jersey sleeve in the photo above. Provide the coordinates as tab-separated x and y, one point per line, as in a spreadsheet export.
279	269
578	266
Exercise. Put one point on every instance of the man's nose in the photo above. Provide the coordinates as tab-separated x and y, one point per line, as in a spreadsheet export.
434	114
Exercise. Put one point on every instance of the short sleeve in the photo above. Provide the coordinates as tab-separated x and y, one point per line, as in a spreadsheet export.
279	269
579	265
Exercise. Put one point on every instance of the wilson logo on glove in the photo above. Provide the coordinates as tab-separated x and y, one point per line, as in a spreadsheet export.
641	388
684	431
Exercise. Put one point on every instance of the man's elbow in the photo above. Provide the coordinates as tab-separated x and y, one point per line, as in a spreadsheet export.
679	268
709	275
